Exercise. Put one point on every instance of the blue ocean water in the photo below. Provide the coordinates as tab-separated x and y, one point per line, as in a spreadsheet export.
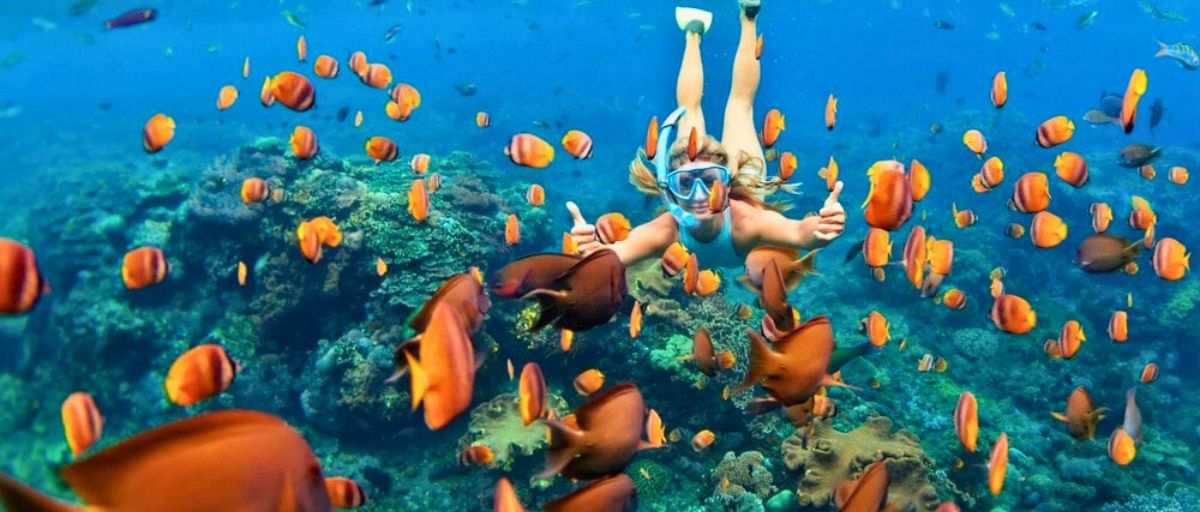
74	98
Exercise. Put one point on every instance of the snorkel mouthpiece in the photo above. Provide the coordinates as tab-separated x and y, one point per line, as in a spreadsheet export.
661	159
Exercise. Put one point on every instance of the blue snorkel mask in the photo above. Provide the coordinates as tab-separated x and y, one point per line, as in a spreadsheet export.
687	181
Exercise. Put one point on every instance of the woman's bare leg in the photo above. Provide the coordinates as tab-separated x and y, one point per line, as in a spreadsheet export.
740	133
689	88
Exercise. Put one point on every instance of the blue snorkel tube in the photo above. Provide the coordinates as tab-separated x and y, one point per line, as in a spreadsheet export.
661	160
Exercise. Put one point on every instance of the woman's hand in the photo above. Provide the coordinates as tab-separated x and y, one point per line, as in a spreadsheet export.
832	217
582	232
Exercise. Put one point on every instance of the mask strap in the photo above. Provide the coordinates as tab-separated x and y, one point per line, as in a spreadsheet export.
684	219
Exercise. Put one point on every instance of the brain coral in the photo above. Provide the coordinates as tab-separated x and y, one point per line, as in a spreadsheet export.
828	458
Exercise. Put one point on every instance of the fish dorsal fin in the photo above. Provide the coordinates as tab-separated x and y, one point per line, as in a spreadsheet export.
421	318
802	335
843	492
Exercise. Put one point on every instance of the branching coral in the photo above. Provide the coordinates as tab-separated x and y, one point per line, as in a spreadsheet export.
827	458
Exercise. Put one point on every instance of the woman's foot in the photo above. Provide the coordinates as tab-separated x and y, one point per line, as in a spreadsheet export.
693	20
750	8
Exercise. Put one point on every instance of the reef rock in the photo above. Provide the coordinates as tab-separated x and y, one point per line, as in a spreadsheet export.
827	458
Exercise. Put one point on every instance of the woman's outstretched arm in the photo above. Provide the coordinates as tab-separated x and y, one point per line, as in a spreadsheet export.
811	232
646	241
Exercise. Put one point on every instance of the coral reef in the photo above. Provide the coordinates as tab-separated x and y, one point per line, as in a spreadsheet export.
497	424
345	379
826	458
743	473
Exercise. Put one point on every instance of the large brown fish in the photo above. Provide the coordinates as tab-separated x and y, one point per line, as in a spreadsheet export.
1102	252
602	439
609	494
868	493
585	295
774	298
462	291
229	460
1081	416
798	368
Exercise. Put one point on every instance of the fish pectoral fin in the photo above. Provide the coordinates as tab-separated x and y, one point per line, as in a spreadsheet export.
15	495
1059	416
828	380
643	445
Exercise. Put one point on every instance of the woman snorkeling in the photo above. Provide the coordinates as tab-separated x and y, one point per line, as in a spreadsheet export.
745	222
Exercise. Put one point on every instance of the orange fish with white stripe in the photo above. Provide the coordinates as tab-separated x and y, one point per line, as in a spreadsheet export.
293	90
966	420
535	195
1171	259
1047	230
1149	373
1142	216
1070	339
358	64
21	282
1031	193
418	201
344	493
1072	168
915	255
226	96
1055	131
144	267
991	173
158	131
578	144
201	373
404	100
325	66
919	180
82	422
381	149
1178	175
483	120
1118	327
889	202
1010	313
255	190
999	89
975	141
512	230
1102	215
303	142
264	94
962	218
876	327
773	124
529	150
376	75
419	163
997	465
831	109
531	394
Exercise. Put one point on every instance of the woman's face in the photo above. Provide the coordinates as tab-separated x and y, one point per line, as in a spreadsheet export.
697	184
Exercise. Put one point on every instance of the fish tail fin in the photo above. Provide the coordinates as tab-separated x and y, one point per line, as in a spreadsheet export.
745	281
420	380
1059	416
759	354
844	355
551	302
1163	48
806	264
15	495
562	447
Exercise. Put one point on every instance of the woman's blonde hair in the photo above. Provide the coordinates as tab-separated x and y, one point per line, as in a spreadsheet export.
750	184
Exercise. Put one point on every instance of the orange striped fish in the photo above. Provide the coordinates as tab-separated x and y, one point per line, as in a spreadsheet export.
1031	193
1133	94
1149	373
419	163
226	96
975	141
293	90
919	180
21	283
578	144
1118	327
1055	131
264	95
1171	259
999	89
529	150
966	420
889	201
536	195
531	394
1072	168
358	64
82	422
144	267
199	374
483	120
512	230
381	149
589	382
301	48
159	131
1047	230
418	201
325	66
303	142
997	465
255	190
375	75
344	493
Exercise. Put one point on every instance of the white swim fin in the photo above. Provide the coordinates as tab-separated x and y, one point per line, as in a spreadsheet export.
691	19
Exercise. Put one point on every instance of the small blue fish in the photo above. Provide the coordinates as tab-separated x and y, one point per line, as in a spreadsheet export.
1181	52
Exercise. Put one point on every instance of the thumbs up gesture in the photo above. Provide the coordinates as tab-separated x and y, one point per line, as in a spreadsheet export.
832	219
582	232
